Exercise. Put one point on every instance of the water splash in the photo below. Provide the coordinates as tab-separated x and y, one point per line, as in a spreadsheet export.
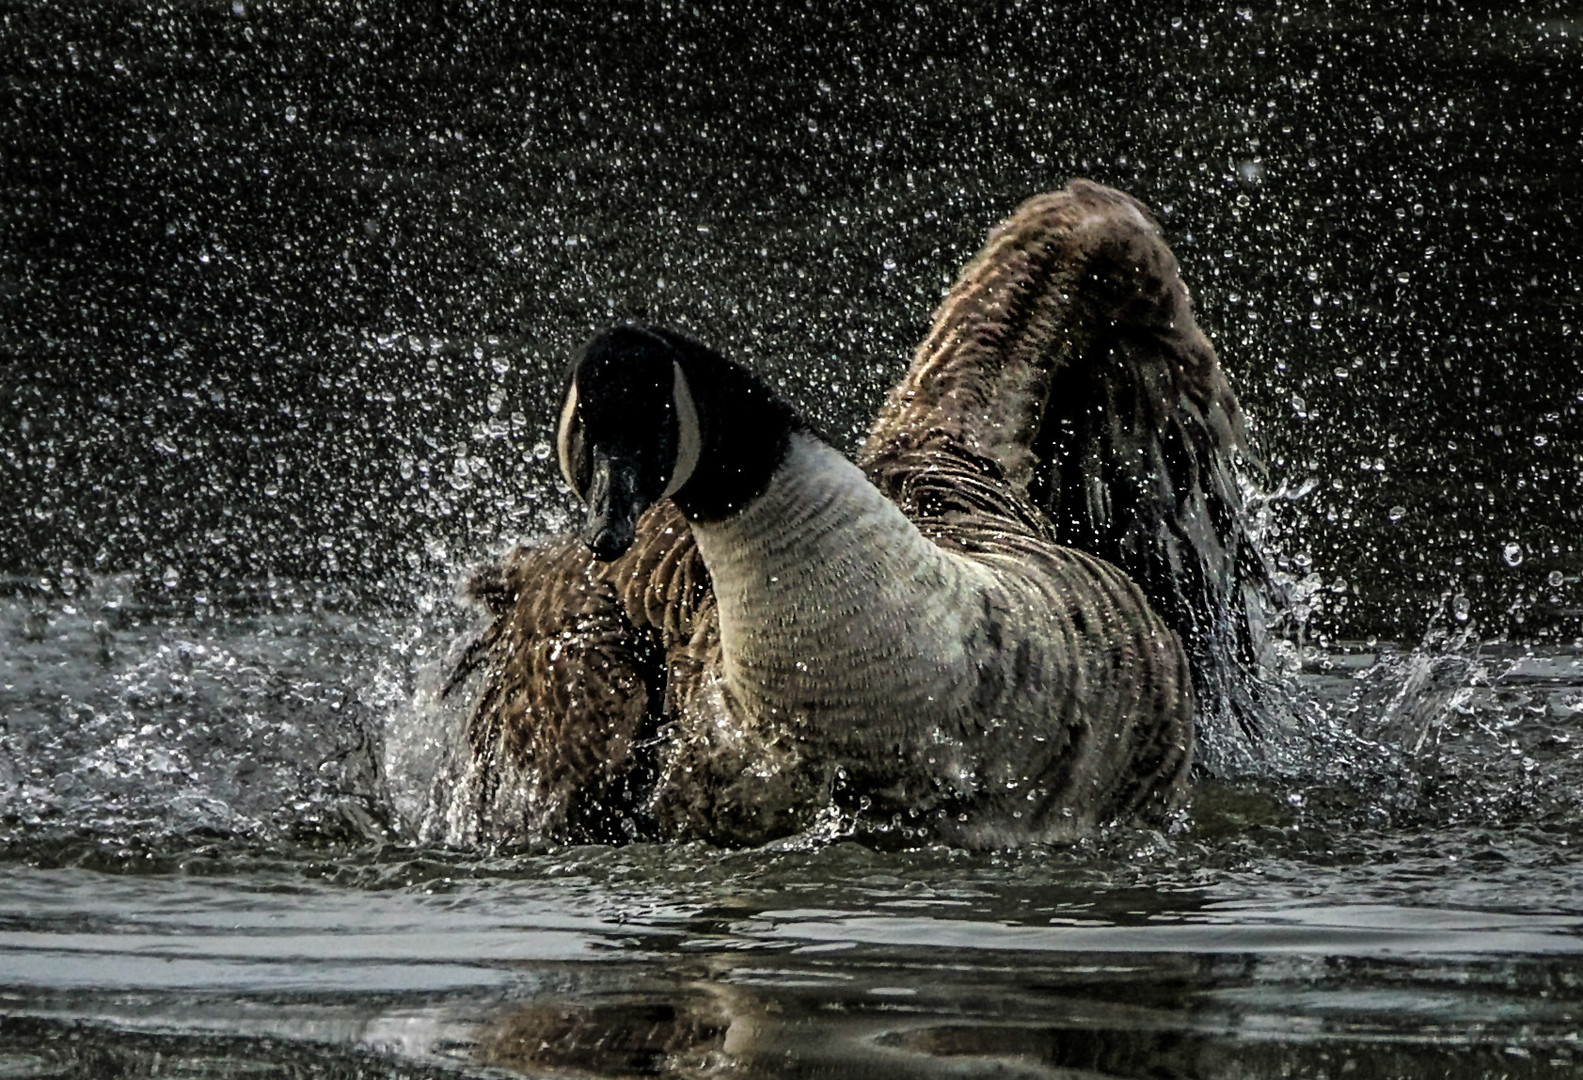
150	727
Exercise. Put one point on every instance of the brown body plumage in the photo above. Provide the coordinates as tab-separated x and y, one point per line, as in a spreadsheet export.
1065	417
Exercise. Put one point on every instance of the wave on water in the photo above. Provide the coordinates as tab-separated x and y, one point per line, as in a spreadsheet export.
139	731
155	728
268	787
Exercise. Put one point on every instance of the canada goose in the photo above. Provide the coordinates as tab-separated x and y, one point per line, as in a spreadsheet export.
988	631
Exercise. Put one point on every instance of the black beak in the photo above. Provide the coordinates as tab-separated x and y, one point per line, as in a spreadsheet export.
614	507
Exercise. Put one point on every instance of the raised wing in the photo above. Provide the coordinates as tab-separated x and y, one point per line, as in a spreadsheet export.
1066	362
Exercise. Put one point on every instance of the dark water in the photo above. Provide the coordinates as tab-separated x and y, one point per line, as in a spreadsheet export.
216	865
284	290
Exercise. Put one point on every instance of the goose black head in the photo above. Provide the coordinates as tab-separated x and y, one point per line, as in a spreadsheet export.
628	433
651	414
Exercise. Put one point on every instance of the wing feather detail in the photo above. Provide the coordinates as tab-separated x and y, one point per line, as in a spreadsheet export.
1066	359
581	657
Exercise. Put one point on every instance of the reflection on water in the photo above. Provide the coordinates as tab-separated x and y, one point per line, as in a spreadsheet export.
1404	908
584	963
213	871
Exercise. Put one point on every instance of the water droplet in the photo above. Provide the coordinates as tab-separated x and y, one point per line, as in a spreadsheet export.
1541	440
1460	608
1396	513
291	114
1555	579
1512	553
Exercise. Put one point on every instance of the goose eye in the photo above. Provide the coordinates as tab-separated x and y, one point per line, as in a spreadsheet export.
569	442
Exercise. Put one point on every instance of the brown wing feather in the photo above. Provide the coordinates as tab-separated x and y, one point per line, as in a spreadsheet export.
1067	358
579	655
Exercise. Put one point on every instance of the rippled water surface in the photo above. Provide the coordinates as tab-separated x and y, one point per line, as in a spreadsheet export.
210	874
285	294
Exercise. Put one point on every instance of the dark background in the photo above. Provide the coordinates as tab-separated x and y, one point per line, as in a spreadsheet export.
286	289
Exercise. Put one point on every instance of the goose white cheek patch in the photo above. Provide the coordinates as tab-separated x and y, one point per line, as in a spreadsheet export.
563	441
689	443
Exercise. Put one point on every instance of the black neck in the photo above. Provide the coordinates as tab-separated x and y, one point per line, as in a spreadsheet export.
745	430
